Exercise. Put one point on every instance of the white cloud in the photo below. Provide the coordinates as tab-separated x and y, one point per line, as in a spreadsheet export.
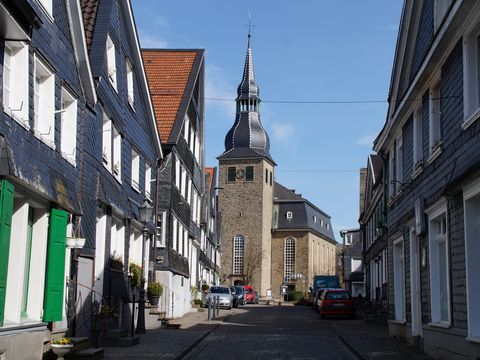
283	131
220	92
366	140
147	40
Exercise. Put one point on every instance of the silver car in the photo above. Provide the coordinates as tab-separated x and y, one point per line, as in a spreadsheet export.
224	294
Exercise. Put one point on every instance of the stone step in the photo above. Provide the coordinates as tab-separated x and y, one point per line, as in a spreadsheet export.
90	353
80	343
116	333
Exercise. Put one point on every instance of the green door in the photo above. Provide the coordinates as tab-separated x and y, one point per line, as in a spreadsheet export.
55	270
6	209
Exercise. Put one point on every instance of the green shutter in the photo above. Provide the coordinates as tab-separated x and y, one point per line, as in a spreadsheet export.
6	208
55	272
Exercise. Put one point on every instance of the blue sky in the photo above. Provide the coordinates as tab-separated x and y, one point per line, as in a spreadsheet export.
308	50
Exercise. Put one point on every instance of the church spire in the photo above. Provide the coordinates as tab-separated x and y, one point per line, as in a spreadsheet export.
247	138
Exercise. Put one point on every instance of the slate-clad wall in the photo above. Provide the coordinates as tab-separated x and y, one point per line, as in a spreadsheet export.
424	37
43	168
444	176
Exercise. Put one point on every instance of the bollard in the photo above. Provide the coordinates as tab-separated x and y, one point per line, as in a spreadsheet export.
218	305
209	316
214	307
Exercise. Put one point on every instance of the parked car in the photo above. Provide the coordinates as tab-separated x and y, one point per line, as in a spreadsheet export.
225	296
235	294
250	294
240	292
336	302
322	282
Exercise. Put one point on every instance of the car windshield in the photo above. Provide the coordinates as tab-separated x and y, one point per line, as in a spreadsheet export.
238	289
219	290
337	295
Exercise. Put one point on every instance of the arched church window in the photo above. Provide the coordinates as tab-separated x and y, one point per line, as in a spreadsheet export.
289	256
238	254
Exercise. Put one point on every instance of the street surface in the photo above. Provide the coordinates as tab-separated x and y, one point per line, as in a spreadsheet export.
267	332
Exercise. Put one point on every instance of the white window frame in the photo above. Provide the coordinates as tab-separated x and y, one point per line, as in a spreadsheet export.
417	142
174	233
107	142
238	254
185	242
435	213
130	87
44	102
16	103
289	252
191	142
117	154
189	191
177	173
68	132
161	229
148	180
197	148
183	189
180	239
186	128
435	121
111	62
471	201
399	163
289	215
471	76
135	170
399	279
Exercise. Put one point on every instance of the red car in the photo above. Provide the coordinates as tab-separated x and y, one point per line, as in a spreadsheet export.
250	294
336	302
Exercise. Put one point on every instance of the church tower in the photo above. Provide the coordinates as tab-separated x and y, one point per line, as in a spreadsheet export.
246	191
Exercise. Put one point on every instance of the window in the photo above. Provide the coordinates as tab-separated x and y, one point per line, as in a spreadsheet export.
68	142
417	139
107	141
391	172
249	173
399	162
189	192
238	254
161	229
185	242
183	189
197	148
44	103
117	238
435	126
175	234
399	280
177	173
117	154
271	178
232	173
289	215
111	62
439	11
191	142
356	265
289	257
15	80
194	206
148	180
180	239
348	239
266	176
471	195
47	6
130	93
471	77
135	170
186	128
314	219
439	264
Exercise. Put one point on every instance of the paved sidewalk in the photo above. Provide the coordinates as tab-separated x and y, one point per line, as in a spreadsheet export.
165	343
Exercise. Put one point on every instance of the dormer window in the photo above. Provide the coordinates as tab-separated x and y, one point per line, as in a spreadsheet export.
289	215
314	219
111	63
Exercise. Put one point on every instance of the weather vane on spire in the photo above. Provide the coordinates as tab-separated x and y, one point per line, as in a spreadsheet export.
250	25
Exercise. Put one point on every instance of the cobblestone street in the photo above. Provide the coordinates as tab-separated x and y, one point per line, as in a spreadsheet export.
267	332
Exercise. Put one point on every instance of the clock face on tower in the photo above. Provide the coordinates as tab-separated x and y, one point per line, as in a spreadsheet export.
240	174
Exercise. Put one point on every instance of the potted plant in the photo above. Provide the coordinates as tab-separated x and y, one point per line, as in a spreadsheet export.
61	347
135	275
116	263
154	291
205	288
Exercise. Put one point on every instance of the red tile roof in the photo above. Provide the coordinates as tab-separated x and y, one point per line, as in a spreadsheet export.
89	12
168	72
211	172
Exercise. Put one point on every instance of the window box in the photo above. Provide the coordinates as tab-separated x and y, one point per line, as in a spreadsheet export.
436	150
116	169
417	169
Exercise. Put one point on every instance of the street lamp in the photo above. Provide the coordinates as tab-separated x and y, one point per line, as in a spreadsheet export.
145	211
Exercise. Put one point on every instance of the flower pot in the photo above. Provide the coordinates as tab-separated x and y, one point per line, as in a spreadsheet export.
61	350
153	299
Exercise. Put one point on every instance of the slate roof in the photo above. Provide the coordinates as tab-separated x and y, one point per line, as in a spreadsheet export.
89	12
306	216
168	73
247	138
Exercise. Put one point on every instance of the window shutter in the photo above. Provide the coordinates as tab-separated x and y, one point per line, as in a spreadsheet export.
55	269
6	209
